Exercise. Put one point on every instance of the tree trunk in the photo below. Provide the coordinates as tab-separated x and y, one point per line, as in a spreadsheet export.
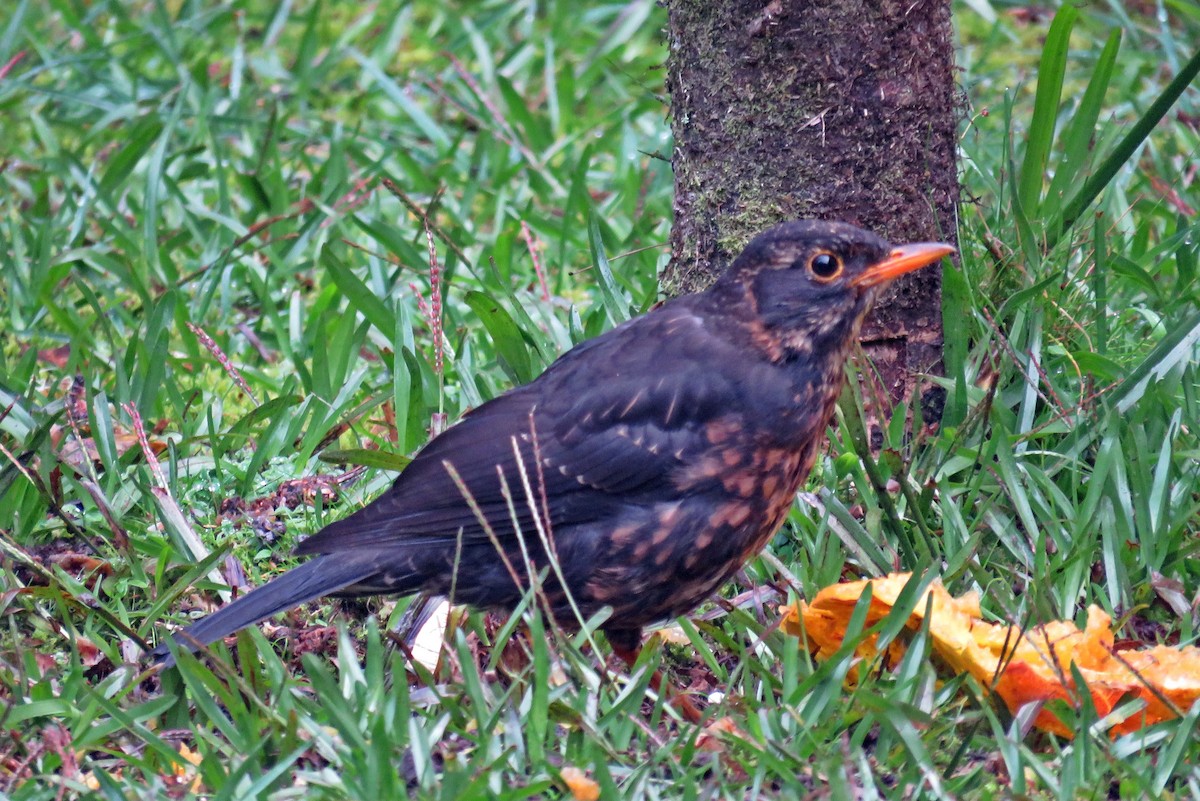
836	109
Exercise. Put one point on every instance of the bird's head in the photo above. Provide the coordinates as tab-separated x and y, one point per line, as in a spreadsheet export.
810	283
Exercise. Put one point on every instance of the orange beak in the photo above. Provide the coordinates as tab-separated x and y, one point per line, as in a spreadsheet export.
903	259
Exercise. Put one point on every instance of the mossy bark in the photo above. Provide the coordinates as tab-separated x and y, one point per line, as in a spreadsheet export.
836	109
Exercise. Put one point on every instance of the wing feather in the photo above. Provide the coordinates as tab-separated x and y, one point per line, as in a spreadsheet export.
599	443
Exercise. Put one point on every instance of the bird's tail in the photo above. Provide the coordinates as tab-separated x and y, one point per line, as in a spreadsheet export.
321	576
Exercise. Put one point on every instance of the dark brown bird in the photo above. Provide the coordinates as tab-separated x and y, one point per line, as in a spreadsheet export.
654	460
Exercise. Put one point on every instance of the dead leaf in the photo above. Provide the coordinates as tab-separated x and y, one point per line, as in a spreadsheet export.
672	635
56	357
710	739
186	775
89	654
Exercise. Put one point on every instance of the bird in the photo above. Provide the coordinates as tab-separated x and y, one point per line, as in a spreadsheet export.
637	473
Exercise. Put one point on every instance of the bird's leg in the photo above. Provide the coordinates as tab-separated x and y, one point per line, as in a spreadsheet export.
628	646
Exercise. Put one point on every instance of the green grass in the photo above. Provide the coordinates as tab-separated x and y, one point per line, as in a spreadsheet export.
195	225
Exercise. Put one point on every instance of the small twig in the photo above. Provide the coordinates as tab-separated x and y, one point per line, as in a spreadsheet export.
421	214
779	567
253	231
75	402
1061	413
352	199
256	343
44	491
12	62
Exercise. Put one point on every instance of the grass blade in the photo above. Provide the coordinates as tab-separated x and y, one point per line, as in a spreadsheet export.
1125	149
1045	109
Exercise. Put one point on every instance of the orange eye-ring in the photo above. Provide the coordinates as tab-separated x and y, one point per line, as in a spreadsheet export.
825	266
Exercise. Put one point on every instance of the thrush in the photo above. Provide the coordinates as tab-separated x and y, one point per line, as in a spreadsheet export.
638	472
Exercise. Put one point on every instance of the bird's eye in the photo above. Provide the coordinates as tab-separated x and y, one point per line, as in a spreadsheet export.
825	266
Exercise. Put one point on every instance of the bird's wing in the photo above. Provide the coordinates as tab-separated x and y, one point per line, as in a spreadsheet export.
609	423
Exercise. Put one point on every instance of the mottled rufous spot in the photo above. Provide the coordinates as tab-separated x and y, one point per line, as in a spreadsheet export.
669	515
773	457
623	535
719	431
765	341
603	588
793	470
661	535
700	472
742	483
733	514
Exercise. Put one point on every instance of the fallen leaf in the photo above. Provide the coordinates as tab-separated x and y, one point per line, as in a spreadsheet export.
672	635
710	739
89	654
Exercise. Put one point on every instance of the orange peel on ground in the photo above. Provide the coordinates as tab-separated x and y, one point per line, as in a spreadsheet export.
581	786
1020	667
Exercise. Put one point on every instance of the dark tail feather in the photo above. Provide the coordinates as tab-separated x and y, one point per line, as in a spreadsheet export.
321	576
